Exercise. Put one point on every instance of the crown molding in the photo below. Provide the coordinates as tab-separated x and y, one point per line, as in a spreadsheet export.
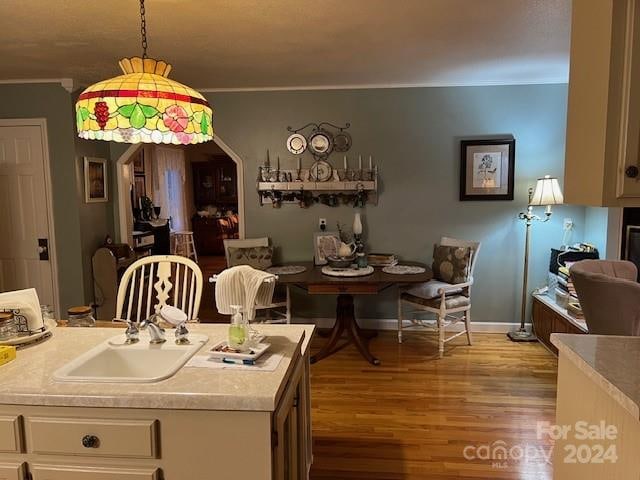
66	83
370	86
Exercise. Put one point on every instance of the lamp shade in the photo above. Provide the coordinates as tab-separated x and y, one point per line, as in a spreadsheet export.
143	106
547	192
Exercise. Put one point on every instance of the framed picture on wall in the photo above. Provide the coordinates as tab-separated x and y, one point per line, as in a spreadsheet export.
325	244
95	180
487	169
138	162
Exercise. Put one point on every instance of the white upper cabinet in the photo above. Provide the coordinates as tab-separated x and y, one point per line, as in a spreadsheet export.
602	164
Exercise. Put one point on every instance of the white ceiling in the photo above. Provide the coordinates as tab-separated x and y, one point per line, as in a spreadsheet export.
236	44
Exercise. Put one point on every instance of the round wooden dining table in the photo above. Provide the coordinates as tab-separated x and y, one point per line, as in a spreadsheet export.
314	282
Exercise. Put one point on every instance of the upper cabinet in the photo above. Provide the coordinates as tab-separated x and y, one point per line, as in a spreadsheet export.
602	165
215	183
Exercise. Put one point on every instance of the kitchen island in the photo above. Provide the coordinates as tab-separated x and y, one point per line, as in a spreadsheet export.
200	423
597	429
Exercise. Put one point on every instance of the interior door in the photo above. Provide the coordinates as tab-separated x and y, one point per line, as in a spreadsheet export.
24	216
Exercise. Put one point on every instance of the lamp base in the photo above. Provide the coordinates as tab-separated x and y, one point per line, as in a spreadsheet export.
522	336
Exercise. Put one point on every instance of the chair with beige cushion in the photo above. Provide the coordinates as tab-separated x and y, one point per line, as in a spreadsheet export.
236	254
450	302
609	296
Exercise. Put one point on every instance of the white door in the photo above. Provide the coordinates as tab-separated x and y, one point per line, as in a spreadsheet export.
24	213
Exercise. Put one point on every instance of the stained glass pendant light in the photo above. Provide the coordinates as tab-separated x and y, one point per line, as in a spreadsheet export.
143	105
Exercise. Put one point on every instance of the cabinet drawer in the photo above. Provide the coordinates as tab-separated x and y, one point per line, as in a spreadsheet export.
92	437
10	434
56	472
11	471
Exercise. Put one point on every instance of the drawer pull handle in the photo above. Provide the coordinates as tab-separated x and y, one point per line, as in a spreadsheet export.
90	441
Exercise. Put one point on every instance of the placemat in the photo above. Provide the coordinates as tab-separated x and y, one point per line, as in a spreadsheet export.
347	272
287	269
403	269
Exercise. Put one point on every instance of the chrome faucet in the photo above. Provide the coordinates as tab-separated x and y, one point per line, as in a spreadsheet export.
155	331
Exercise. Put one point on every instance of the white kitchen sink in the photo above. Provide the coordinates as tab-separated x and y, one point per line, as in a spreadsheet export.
115	362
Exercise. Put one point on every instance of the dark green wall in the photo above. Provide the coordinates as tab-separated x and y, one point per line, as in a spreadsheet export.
52	102
414	136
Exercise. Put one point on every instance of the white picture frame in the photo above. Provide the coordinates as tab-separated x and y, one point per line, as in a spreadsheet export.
323	246
96	184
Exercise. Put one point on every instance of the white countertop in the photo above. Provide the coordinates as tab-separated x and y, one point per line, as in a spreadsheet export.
612	362
28	380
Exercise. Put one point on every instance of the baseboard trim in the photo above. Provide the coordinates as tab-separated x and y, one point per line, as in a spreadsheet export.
392	324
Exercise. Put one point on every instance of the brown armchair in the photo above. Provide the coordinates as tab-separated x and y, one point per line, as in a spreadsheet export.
609	296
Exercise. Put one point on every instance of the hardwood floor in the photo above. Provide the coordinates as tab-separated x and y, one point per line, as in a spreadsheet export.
209	266
412	417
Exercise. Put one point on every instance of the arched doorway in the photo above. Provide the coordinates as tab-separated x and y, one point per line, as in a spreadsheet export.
124	181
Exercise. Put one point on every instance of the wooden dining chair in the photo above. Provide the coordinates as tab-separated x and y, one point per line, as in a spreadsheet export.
152	282
451	303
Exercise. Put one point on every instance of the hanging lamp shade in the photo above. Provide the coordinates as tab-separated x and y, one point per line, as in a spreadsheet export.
143	106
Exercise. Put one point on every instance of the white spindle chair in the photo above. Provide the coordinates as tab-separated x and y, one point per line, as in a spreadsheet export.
278	303
450	302
152	282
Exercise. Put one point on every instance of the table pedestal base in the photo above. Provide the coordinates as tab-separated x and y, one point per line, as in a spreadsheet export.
346	322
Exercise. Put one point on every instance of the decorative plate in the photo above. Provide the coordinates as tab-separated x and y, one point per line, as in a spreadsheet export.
347	272
320	171
296	143
287	270
320	143
403	269
341	141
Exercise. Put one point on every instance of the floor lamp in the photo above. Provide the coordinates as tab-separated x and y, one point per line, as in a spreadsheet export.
546	193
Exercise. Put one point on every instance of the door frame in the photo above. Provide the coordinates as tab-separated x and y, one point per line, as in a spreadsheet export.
125	227
48	186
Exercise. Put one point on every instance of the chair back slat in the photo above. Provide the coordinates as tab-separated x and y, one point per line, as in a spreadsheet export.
184	291
141	290
149	290
167	280
191	295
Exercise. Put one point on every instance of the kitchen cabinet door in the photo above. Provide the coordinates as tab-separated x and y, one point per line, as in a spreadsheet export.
602	161
11	471
62	472
287	433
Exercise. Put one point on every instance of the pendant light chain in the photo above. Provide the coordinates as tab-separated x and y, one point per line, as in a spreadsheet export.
143	29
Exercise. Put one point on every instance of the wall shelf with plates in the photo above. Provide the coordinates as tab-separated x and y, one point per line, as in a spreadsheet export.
306	192
321	183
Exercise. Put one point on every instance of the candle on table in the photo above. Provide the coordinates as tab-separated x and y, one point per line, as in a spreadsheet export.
345	162
298	163
357	224
359	162
370	165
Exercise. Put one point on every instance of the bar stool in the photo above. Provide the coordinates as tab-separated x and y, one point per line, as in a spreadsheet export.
182	244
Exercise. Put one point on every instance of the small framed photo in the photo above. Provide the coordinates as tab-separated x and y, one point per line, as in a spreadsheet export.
138	162
325	244
487	169
95	180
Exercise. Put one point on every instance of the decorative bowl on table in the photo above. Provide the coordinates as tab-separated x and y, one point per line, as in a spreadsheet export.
341	262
